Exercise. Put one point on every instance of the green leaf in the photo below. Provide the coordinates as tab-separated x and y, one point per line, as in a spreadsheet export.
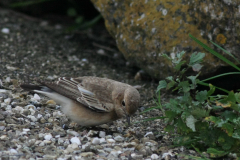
162	84
200	113
181	127
215	53
226	52
228	128
179	65
173	105
166	56
202	96
79	19
194	80
196	58
237	96
170	115
190	121
211	91
169	128
236	134
185	86
229	115
197	67
214	153
71	12
170	85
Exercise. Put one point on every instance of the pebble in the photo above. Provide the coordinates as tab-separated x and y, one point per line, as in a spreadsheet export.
75	140
154	156
13	151
34	119
95	141
5	30
119	138
51	102
48	137
102	134
102	140
73	133
36	97
136	156
7	101
88	155
111	141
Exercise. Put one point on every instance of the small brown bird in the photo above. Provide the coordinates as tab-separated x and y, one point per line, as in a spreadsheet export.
90	101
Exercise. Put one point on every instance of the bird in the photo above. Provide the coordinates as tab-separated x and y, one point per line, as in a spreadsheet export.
88	100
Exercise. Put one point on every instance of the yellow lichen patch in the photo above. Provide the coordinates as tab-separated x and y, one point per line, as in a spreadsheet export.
221	39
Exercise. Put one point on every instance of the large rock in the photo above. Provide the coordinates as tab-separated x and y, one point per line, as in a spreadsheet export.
144	29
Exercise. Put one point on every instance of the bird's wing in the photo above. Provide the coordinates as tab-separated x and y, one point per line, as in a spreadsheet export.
73	88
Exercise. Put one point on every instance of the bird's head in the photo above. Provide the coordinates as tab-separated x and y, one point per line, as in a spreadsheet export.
128	102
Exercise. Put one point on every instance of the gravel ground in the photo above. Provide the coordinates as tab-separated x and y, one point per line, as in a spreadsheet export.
33	127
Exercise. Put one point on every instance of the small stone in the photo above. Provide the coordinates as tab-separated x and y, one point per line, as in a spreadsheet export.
71	148
154	156
95	141
34	119
2	128
51	102
119	138
73	133
111	141
102	140
4	137
13	151
5	30
7	101
48	137
18	109
75	140
102	134
88	155
136	156
30	106
114	154
36	97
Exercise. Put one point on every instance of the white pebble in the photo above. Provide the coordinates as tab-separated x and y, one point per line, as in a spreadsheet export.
39	116
115	153
36	97
7	101
30	106
75	140
48	137
102	140
154	156
95	141
18	109
148	133
34	119
119	138
5	30
9	107
111	141
13	151
26	130
32	111
71	132
102	134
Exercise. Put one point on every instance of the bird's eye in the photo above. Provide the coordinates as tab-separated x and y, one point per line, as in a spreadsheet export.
123	103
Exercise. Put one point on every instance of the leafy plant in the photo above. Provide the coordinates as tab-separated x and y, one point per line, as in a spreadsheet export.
207	122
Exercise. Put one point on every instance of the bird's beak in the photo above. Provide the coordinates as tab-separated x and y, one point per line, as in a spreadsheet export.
128	120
